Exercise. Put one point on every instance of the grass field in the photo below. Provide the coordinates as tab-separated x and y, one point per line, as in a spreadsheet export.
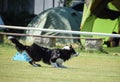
87	67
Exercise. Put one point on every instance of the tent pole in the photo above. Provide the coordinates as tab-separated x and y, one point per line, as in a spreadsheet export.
53	3
43	5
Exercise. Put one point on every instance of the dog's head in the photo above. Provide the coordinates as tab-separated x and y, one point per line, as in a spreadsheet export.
72	51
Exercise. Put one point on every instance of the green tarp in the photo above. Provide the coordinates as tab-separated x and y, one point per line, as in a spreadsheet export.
101	16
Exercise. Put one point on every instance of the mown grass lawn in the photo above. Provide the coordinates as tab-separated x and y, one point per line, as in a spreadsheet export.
87	67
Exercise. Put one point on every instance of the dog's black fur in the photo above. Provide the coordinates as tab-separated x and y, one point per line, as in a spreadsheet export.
37	53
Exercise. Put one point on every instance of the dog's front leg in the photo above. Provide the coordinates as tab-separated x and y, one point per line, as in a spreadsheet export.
54	64
59	62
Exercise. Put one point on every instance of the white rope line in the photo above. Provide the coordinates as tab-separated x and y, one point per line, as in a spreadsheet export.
46	36
61	31
43	36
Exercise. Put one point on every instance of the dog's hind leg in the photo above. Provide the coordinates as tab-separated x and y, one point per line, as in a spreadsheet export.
34	64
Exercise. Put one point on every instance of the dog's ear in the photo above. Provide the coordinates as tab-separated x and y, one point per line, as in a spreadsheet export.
71	46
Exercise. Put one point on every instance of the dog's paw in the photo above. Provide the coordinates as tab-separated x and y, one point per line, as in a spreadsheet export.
36	65
62	66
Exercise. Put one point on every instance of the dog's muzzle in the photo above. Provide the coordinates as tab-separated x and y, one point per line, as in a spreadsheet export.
75	55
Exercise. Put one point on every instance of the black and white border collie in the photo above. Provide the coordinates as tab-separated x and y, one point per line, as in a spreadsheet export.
54	57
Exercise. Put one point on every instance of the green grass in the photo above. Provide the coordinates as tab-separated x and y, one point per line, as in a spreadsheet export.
87	67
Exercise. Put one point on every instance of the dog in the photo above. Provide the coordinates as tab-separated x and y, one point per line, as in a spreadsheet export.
54	57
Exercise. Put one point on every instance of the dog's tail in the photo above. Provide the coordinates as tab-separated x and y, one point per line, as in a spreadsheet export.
19	46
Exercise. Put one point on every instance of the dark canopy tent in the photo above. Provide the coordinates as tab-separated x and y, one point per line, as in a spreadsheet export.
1	29
62	18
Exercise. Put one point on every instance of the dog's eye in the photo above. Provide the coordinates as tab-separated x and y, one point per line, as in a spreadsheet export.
57	51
